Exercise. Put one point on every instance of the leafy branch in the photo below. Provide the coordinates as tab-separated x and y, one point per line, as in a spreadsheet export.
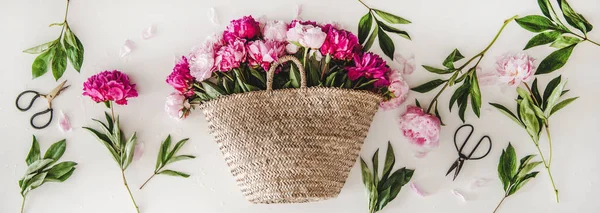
470	83
381	21
39	170
534	112
384	190
166	157
55	53
553	31
120	149
512	174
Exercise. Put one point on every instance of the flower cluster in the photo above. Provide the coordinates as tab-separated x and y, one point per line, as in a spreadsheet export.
421	129
236	61
110	86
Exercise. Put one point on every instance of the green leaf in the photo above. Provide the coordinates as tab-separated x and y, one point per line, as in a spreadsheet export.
507	167
37	181
104	140
561	105
164	150
371	39
475	94
536	23
575	19
258	75
75	50
535	92
212	90
174	173
529	118
40	48
61	178
437	114
294	76
555	60
437	71
394	30
453	57
330	80
550	88
525	160
386	44
34	152
527	168
60	169
180	158
554	97
544	7
417	103
426	87
508	113
364	27
38	165
462	106
565	41
375	160
459	92
521	182
390	160
391	18
129	150
368	83
367	178
542	38
40	64
56	150
176	148
59	61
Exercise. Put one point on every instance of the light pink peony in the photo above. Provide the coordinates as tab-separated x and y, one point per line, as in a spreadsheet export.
370	66
421	129
231	56
512	69
177	106
243	28
263	53
202	58
306	35
110	86
181	79
340	44
275	30
399	88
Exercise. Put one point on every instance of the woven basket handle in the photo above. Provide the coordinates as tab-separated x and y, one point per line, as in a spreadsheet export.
280	61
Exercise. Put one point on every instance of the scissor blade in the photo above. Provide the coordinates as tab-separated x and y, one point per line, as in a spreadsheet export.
460	165
454	165
56	91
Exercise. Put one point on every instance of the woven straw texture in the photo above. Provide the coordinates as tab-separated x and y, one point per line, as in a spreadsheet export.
291	145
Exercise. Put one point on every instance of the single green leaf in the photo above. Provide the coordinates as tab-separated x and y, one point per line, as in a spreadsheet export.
536	23
366	84
59	61
386	44
251	88
129	150
575	19
475	94
525	160
294	76
40	64
565	41
37	180
527	168
437	114
60	169
561	105
75	50
40	48
364	27
38	165
371	39
390	160
258	75
417	103
437	71
383	198
367	178
394	30
61	178
212	90
330	80
554	98
510	162
391	18
400	178
56	150
508	113
544	7
529	118
542	38
375	160
459	92
550	88
180	158
174	173
34	152
164	150
117	136
176	148
555	60
454	56
426	87
462	106
535	92
105	141
521	182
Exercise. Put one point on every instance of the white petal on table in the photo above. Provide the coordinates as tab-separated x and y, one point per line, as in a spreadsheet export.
212	16
127	47
149	32
63	122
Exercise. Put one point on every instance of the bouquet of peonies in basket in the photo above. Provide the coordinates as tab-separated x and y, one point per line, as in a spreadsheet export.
237	61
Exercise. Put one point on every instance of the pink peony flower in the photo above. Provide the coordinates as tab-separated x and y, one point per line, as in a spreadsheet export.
340	44
177	106
243	28
109	86
231	56
370	66
293	23
306	35
263	53
421	129
275	30
202	58
181	79
512	69
399	88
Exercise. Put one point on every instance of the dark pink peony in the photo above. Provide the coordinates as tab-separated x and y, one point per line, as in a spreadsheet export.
244	28
263	53
109	86
370	66
296	21
340	44
181	79
231	56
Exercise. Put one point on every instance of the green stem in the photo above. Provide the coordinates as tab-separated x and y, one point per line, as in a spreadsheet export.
556	17
501	201
436	97
129	191
23	204
548	169
147	181
364	4
549	143
305	57
112	110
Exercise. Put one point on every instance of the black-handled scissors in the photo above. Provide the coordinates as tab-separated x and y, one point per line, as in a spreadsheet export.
460	161
49	97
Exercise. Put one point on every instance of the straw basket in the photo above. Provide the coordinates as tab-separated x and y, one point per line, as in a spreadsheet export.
291	145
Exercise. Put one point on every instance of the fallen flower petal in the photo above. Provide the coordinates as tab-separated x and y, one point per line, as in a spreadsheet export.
478	183
297	11
417	189
149	32
127	47
63	122
212	16
459	195
138	151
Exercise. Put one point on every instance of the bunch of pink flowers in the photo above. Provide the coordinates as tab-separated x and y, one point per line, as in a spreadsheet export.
236	61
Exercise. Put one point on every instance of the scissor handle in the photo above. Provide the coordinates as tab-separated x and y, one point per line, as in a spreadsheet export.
37	95
466	140
477	146
42	113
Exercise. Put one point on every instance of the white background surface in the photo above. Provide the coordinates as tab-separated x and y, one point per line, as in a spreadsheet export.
438	27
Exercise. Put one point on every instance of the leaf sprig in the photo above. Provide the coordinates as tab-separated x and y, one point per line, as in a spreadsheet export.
40	169
534	112
384	190
380	22
55	53
551	30
166	156
514	175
